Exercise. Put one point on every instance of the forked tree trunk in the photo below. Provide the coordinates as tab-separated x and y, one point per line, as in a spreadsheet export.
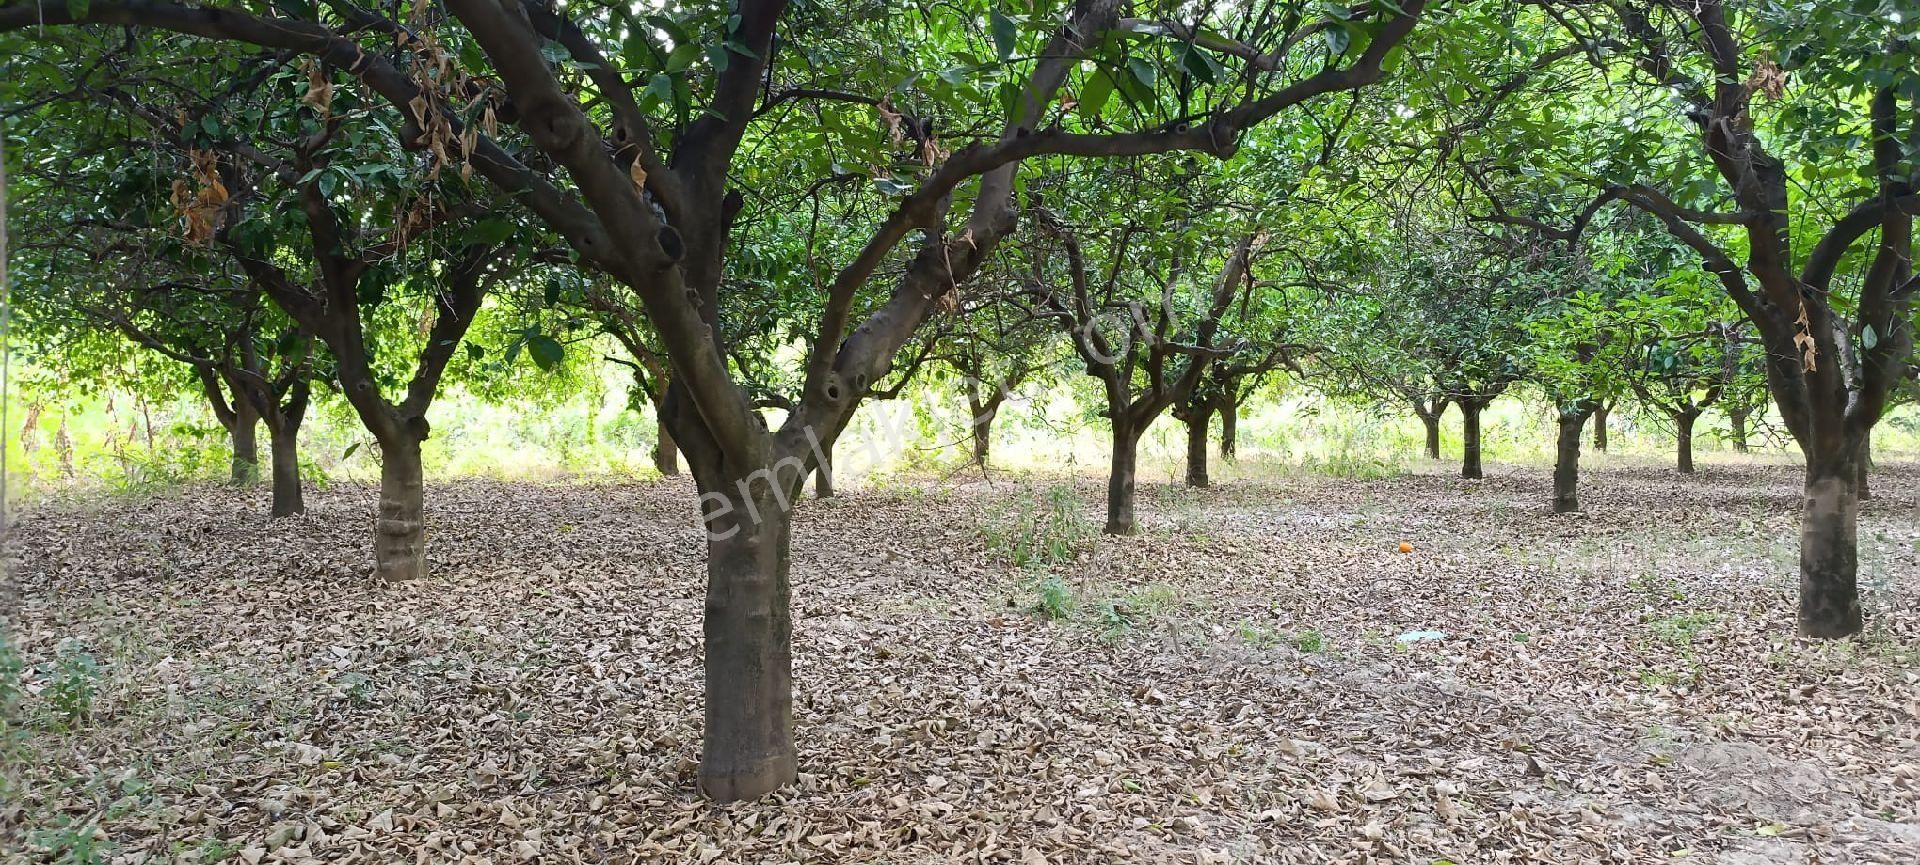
1470	439
1566	466
1829	556
1737	430
1198	419
245	435
287	497
666	457
748	743
1120	482
1683	432
1600	416
1229	429
399	534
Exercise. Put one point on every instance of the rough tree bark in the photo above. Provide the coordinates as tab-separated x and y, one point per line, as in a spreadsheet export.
1470	438
1683	435
1737	430
1862	489
1566	466
1829	558
1430	418
823	476
1120	480
666	457
1229	429
1600	416
1197	418
399	532
287	496
243	429
748	625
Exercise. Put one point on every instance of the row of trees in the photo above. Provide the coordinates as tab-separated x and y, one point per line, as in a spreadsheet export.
772	211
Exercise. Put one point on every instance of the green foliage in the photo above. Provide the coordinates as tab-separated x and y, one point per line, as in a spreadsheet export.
72	681
1053	598
1040	531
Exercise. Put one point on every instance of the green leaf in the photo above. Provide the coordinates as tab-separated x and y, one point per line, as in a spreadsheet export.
1143	72
1099	89
659	91
1005	35
350	449
1337	40
1868	338
682	56
489	231
546	351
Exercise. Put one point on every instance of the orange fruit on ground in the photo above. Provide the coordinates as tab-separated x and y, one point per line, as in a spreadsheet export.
1406	547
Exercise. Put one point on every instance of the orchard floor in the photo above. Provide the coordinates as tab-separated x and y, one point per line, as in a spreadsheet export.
1226	686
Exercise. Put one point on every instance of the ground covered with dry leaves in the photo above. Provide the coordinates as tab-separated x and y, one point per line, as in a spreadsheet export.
1260	676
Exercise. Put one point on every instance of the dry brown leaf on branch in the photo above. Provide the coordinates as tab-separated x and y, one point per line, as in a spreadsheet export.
319	96
1803	338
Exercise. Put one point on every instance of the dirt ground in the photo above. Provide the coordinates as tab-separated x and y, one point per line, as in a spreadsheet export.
1244	681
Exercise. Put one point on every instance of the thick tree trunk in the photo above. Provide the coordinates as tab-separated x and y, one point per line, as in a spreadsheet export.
1737	431
1229	430
1683	432
1470	439
1432	423
1566	466
1120	483
1861	488
666	457
748	745
1198	418
1600	416
399	534
1829	555
245	435
287	497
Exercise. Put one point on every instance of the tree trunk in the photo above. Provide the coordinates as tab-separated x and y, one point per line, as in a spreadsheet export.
823	477
1566	467
1198	418
285	447
1600	416
1829	555
983	433
1229	432
748	745
245	434
1120	482
399	535
1737	431
1861	489
1683	431
1432	423
666	457
1470	439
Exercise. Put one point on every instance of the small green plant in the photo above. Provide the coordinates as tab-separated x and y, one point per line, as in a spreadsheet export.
1116	621
12	670
1311	642
71	844
1040	531
1681	630
71	684
1053	598
1257	635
